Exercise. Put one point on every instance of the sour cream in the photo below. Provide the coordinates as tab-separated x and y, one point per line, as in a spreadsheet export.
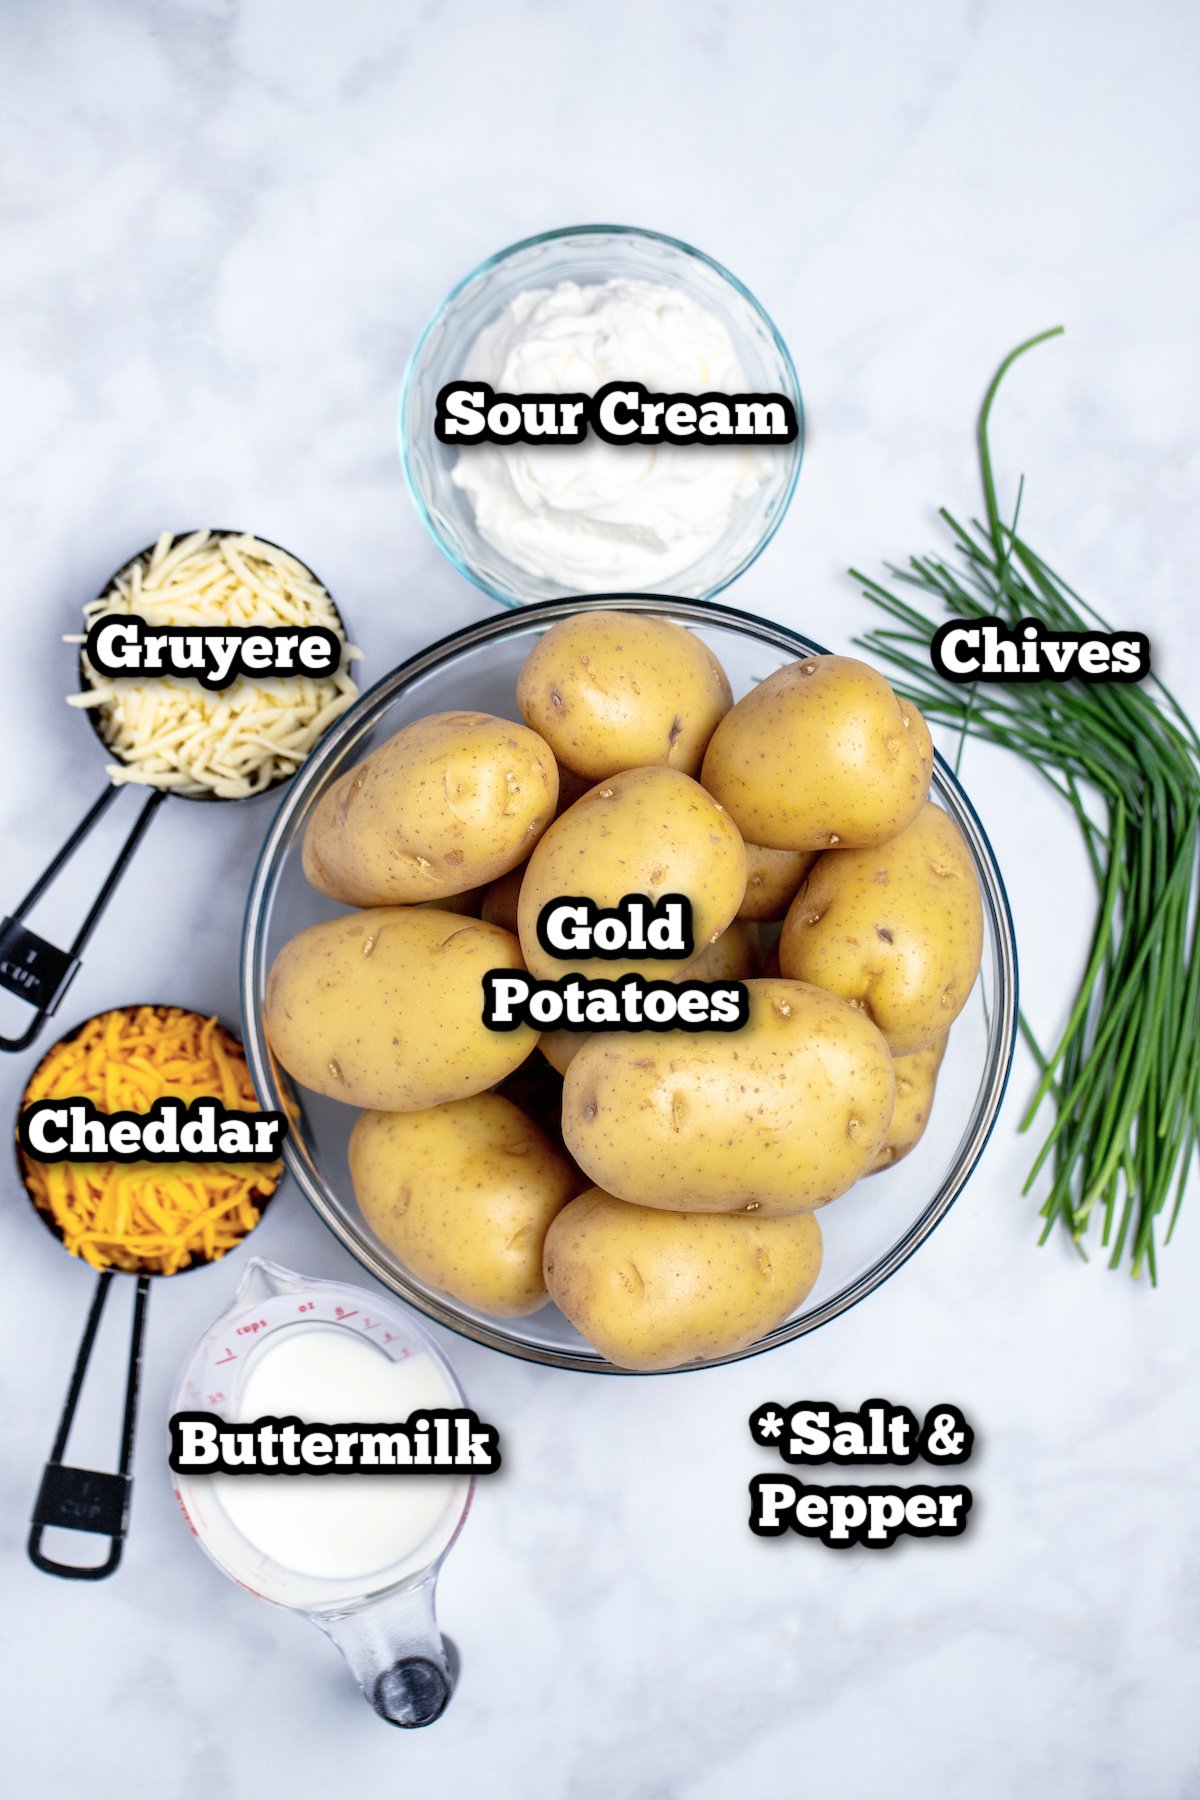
594	516
337	1526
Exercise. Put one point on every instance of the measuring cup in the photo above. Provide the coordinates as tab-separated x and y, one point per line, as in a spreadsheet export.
94	1500
383	1623
37	971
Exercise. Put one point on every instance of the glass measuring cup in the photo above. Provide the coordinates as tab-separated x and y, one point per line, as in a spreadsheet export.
35	970
384	1621
96	1501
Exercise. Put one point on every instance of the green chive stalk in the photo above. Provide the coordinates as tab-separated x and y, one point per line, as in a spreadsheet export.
1123	1082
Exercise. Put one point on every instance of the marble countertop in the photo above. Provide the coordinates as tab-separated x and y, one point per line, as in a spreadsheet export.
224	224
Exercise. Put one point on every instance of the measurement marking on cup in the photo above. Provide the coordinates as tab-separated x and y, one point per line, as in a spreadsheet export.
229	1356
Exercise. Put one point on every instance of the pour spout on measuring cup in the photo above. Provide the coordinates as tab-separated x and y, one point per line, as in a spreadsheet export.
397	1654
260	1280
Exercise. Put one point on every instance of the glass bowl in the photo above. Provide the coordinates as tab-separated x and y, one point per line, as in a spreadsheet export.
868	1233
587	254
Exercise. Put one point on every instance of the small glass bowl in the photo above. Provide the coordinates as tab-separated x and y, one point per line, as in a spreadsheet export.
868	1232
588	254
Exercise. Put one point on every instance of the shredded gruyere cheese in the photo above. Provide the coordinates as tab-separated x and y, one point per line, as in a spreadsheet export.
170	732
148	1218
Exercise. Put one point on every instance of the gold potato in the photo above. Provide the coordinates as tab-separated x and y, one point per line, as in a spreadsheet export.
822	753
561	1047
383	1008
470	903
916	1080
571	787
655	1290
897	931
772	877
779	1116
451	802
536	1087
646	831
731	957
734	956
463	1194
500	899
614	690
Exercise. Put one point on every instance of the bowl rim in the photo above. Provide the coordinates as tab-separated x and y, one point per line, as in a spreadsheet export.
509	597
1002	1037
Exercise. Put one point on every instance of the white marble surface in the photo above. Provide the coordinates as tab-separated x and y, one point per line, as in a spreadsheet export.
223	226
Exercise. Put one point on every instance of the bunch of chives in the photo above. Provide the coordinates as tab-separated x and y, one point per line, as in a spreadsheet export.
1124	1079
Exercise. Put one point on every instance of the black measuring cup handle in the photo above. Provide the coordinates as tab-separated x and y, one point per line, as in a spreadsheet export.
39	972
91	1500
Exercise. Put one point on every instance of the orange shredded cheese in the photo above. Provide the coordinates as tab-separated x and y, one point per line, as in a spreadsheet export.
148	1218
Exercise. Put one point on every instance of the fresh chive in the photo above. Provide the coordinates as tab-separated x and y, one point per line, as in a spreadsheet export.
1124	1078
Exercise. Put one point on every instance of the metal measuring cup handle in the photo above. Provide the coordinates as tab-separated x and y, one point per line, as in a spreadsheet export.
92	1500
37	971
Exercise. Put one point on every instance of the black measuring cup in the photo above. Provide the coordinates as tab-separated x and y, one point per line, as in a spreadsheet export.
97	1500
37	971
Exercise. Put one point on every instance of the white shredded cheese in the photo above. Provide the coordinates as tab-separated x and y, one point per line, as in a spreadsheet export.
170	732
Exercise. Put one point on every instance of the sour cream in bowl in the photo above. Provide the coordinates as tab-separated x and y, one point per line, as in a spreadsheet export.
567	313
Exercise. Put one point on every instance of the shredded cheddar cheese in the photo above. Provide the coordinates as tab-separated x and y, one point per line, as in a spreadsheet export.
148	1218
170	732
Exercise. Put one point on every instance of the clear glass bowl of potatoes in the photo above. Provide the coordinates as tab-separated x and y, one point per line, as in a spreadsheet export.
867	1233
